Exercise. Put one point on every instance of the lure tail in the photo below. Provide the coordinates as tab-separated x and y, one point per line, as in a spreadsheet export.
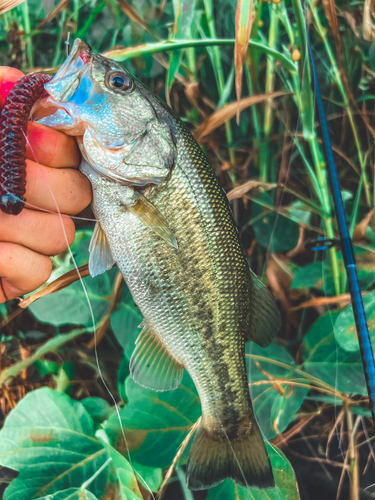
214	456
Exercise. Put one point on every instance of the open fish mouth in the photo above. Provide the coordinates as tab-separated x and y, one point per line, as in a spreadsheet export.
67	79
71	86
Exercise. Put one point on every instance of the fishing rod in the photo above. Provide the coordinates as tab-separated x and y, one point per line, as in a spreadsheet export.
347	250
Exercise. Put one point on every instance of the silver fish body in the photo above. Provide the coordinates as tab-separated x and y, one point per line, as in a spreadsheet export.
166	222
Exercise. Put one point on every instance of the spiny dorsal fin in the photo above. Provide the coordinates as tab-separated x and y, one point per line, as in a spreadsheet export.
153	219
101	259
264	318
152	366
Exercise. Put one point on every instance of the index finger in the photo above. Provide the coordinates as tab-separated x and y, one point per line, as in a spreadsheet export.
50	147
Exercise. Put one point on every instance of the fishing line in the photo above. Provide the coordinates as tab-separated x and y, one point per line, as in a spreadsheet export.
91	314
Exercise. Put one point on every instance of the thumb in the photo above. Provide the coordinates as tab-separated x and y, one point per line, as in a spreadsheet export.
8	77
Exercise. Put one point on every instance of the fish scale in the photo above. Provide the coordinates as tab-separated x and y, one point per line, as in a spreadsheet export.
164	219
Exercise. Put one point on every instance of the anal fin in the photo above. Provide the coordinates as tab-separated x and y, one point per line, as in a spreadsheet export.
151	364
100	259
264	318
153	219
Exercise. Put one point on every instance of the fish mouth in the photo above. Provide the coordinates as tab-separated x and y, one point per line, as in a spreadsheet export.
63	86
65	82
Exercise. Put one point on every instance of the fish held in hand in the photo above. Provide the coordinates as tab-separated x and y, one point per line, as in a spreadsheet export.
163	218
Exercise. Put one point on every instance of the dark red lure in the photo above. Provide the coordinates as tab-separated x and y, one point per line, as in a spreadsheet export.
13	126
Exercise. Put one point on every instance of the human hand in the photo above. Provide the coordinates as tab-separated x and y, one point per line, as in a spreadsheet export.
28	239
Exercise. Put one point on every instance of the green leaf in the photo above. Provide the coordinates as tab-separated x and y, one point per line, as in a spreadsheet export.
155	423
274	411
310	276
153	476
70	306
3	311
71	494
46	367
49	439
319	275
122	372
125	478
272	232
301	212
98	408
125	322
345	328
286	487
326	360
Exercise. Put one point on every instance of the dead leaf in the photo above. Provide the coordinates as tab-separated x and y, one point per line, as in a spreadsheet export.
342	299
230	110
59	284
59	8
6	5
360	228
352	23
133	16
239	191
243	23
368	27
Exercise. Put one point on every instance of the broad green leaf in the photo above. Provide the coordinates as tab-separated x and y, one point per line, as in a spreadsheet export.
319	275
286	487
125	478
45	367
345	328
122	372
49	439
274	405
272	232
311	276
326	360
301	212
98	408
125	322
155	423
70	306
153	476
71	494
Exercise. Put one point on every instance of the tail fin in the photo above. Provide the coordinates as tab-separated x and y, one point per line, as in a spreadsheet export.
214	458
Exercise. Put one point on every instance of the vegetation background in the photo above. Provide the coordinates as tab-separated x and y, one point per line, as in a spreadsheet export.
61	436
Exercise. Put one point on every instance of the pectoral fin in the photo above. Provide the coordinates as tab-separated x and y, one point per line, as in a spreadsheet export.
153	219
265	318
101	259
151	364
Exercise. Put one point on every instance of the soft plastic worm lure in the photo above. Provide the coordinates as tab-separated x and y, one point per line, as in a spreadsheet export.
13	126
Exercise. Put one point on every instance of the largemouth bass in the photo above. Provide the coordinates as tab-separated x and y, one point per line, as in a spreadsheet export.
163	218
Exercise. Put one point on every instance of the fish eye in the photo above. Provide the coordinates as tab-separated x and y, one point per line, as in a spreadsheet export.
118	81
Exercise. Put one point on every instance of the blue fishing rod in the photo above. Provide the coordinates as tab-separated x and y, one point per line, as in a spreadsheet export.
347	250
